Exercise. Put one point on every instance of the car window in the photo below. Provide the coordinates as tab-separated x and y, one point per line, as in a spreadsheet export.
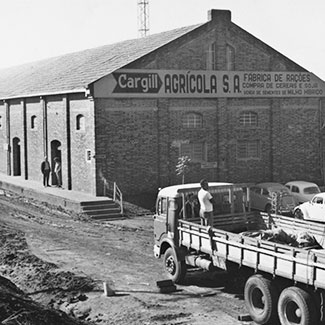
295	189
265	192
311	190
256	190
318	200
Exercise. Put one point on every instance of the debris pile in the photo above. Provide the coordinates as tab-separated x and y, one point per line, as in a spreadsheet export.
35	278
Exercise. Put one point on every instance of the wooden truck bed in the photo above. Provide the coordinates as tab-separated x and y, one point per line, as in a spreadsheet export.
298	264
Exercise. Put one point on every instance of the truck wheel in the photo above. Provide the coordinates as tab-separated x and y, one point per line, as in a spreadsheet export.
295	306
261	298
175	269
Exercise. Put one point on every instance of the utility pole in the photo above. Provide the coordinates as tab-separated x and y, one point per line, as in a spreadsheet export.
143	18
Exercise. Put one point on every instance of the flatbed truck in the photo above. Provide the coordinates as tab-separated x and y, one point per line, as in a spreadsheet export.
285	283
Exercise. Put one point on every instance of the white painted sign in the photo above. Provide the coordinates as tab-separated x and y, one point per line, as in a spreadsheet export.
209	84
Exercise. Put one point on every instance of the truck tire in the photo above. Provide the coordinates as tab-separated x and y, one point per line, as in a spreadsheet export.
295	306
176	269
261	297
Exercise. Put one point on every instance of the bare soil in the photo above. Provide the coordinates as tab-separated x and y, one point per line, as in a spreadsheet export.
54	265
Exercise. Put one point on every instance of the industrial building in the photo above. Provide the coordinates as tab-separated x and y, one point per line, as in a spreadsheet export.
125	112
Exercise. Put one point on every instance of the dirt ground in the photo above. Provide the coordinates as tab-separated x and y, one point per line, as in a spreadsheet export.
54	266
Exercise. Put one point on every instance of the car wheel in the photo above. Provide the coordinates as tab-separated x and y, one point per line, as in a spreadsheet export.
268	208
298	214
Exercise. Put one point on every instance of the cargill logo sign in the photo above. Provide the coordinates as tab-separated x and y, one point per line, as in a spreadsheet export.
209	84
137	83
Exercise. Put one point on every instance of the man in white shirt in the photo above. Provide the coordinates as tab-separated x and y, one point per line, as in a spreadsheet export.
206	203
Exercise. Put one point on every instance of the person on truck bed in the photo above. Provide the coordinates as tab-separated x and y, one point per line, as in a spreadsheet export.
206	203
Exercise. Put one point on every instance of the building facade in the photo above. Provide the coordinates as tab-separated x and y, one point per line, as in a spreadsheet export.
240	110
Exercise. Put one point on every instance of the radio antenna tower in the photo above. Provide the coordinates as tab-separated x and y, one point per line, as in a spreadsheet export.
143	18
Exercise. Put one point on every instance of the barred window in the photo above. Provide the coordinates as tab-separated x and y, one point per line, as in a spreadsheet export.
248	149
212	57
195	151
248	118
192	121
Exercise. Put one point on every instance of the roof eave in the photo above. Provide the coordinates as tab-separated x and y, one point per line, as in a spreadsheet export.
78	90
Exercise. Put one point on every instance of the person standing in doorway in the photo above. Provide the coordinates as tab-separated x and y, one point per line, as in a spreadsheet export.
206	203
45	169
58	172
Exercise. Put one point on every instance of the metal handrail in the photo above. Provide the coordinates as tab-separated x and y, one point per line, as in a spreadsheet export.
116	193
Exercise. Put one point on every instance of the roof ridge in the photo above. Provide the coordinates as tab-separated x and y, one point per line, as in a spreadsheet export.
76	70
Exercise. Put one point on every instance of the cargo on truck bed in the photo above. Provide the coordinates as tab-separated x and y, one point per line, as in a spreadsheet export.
287	274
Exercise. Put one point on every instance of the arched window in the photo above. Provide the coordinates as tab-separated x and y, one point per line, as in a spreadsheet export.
80	122
230	58
212	56
248	118
192	121
33	122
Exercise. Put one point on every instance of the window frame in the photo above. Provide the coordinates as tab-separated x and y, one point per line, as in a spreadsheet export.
211	63
33	122
192	120
230	57
249	148
80	123
248	119
191	152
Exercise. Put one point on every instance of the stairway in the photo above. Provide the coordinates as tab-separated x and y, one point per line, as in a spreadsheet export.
101	210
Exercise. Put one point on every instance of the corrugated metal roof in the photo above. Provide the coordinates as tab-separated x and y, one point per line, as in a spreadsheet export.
75	71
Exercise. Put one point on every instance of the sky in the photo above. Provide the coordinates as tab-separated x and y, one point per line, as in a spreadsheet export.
31	30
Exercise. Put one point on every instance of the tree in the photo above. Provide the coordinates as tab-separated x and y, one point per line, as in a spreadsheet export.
183	166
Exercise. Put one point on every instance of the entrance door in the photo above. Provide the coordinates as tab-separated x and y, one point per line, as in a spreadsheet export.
55	152
16	157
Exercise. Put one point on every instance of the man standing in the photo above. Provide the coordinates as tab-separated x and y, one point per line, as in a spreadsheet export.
206	204
57	171
45	169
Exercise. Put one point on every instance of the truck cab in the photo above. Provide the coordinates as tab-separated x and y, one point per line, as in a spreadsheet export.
173	201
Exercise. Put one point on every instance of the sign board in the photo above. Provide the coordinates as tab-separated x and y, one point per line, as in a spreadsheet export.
207	165
208	84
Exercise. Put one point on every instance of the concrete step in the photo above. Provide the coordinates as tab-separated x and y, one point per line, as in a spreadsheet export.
97	202
107	217
101	210
100	207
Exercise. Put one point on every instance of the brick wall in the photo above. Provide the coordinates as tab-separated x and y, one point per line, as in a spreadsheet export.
82	170
27	120
136	142
35	145
141	137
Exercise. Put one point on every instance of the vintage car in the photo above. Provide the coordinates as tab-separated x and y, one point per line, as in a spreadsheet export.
302	191
262	194
313	210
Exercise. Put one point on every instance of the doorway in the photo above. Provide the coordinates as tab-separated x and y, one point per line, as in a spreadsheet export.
16	157
55	152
